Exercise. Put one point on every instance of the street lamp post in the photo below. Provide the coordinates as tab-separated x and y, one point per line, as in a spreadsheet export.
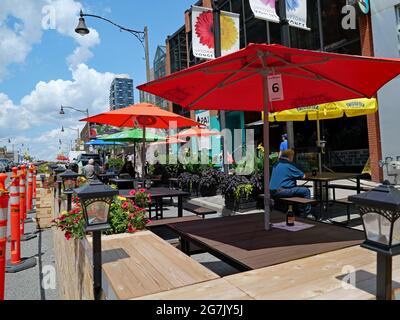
96	199
142	36
75	129
86	112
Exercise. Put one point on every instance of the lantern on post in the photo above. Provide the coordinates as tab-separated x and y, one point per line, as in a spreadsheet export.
380	213
96	199
69	183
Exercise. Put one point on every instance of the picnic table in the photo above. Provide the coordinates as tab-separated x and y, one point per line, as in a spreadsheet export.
158	194
322	181
105	177
125	183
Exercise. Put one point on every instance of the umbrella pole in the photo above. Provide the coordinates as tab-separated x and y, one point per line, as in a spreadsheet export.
134	158
266	157
143	153
319	144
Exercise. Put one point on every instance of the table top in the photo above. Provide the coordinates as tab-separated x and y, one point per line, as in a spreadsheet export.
329	176
119	180
109	174
157	192
142	264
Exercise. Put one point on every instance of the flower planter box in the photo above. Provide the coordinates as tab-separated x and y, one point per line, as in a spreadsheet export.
242	205
208	192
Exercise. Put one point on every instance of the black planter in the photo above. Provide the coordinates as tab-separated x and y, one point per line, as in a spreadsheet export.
208	192
244	204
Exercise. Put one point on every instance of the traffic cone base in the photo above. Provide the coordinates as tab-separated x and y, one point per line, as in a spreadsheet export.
25	237
28	236
29	220
25	264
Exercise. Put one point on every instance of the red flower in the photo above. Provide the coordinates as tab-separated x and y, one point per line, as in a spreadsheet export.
148	221
205	29
125	205
142	190
131	229
68	235
132	192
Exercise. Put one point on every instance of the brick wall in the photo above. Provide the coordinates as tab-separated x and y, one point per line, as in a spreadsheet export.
374	136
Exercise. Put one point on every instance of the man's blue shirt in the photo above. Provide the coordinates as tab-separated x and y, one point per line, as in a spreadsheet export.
284	146
284	175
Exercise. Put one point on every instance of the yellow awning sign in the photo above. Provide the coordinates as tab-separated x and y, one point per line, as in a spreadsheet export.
332	110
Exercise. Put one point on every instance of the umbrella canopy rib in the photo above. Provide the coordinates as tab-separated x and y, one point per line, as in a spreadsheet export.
230	76
319	75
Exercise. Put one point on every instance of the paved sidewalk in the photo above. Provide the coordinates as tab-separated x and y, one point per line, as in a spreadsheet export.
26	285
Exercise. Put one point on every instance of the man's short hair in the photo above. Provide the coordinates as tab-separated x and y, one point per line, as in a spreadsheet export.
91	161
287	154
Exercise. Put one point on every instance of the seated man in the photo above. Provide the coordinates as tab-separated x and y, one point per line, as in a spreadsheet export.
283	179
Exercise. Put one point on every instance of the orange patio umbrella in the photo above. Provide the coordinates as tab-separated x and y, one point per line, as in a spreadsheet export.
142	115
170	140
196	132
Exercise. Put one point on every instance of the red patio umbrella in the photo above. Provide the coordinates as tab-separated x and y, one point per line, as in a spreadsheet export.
143	115
241	81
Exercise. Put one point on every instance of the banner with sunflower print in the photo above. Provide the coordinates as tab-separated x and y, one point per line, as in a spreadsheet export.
203	32
296	12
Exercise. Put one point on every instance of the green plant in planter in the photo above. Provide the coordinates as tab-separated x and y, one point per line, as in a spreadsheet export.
126	215
243	190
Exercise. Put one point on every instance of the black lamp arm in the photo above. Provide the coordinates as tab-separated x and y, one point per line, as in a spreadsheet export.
140	35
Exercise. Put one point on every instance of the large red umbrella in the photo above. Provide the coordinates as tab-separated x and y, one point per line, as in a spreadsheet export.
247	79
144	115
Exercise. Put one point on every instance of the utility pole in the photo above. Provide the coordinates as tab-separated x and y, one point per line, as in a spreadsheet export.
218	53
285	37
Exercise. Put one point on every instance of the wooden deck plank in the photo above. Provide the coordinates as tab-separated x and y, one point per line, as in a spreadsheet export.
146	264
243	239
219	289
316	277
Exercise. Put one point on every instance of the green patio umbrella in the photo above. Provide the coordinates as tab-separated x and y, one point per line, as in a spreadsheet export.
133	136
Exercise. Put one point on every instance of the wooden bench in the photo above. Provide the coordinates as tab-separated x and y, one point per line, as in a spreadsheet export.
200	211
346	202
161	229
302	202
143	264
163	222
346	187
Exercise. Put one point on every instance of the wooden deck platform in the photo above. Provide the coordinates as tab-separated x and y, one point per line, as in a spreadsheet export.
242	241
347	274
144	264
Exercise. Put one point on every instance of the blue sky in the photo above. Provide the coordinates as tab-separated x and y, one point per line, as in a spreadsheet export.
39	69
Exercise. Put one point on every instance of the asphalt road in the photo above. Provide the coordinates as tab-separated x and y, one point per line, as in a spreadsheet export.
39	282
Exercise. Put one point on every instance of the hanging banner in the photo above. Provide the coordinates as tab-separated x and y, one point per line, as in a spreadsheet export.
296	12
203	35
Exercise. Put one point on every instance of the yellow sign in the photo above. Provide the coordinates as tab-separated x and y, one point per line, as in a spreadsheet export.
332	110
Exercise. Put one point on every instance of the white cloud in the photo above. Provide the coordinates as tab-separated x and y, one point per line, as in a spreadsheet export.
21	27
37	114
17	39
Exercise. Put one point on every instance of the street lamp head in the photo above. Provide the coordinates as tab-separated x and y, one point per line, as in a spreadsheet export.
62	110
82	29
62	129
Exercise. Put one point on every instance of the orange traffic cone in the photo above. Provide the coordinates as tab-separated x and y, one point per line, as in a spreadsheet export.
29	194
16	264
34	188
3	232
23	205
